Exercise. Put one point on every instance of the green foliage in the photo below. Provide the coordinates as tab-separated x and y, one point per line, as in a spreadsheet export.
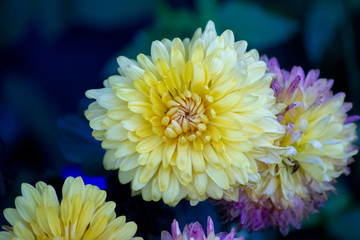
14	20
110	14
257	25
323	20
346	225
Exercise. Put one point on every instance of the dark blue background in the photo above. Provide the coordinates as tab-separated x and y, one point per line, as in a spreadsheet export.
51	52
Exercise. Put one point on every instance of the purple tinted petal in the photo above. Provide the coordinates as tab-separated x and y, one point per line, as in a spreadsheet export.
222	235
294	105
229	236
329	84
278	90
311	77
165	235
285	74
292	88
297	72
352	119
210	225
264	58
258	215
339	95
175	230
347	107
295	136
186	231
196	231
273	66
280	118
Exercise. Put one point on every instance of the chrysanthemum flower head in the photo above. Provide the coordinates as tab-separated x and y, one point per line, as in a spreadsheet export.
195	231
188	120
318	139
82	213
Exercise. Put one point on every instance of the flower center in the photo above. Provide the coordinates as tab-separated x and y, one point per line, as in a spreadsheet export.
185	116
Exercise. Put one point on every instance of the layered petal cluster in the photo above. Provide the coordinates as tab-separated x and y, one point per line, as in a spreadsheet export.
189	120
195	231
82	214
318	139
261	213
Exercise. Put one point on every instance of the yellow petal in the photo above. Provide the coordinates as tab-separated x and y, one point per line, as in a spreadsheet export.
116	133
218	176
164	178
197	160
200	182
182	156
140	107
148	144
159	51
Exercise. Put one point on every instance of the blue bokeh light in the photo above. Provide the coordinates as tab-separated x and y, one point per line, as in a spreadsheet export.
76	171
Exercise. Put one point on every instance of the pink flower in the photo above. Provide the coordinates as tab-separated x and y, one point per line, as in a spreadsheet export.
196	232
317	148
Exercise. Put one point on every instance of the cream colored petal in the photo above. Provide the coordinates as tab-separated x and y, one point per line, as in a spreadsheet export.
209	33
140	107
22	232
164	178
126	148
27	210
213	190
159	51
156	194
240	47
134	72
148	144
146	63
200	181
218	176
50	199
12	215
126	177
197	161
129	162
182	155
155	157
126	232
171	194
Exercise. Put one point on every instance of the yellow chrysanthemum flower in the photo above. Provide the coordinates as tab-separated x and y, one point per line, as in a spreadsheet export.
82	214
189	120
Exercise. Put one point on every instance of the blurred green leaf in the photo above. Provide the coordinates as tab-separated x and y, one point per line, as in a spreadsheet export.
323	19
172	23
109	14
52	17
345	226
335	205
338	203
314	220
259	27
207	10
15	16
354	4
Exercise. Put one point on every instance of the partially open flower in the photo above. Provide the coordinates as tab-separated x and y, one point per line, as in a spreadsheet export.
188	121
195	231
82	214
318	140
